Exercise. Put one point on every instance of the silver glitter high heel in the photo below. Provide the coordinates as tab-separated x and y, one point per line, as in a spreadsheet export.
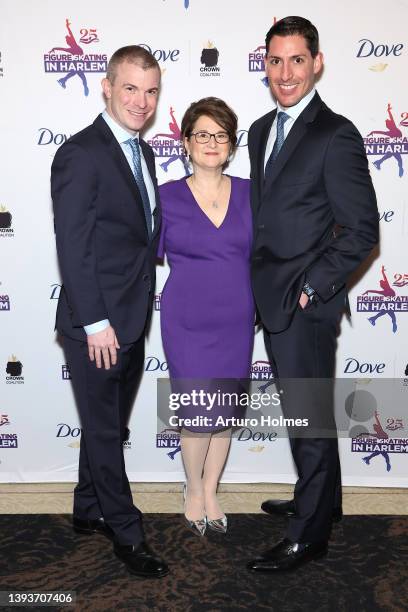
198	527
219	525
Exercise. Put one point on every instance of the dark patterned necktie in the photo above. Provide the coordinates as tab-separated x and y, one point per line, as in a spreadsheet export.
279	140
138	174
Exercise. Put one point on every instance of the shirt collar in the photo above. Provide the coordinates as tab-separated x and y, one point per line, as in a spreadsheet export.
294	111
119	132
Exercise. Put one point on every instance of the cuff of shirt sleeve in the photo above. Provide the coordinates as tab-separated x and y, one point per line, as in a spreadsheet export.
93	328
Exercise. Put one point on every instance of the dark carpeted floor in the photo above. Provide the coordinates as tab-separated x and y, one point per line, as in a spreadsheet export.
366	568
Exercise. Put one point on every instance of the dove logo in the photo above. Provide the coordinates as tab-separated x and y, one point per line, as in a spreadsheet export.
163	55
368	48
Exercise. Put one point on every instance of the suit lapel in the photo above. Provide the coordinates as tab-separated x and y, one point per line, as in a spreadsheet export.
122	164
262	144
292	140
149	159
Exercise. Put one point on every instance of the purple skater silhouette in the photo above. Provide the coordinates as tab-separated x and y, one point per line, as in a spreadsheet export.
387	291
175	134
393	132
73	49
380	434
174	452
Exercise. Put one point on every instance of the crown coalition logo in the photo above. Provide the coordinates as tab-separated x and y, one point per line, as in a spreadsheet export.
379	443
6	231
209	57
14	369
72	60
384	301
169	145
388	143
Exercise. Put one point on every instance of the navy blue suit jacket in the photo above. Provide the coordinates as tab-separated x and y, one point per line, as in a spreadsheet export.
106	259
315	215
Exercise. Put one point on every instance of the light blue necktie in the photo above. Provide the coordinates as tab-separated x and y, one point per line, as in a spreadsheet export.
138	174
279	140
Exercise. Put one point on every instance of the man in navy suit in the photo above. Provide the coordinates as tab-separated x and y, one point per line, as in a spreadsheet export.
315	221
107	221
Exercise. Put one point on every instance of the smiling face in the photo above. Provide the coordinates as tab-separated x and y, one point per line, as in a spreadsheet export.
210	155
132	97
291	69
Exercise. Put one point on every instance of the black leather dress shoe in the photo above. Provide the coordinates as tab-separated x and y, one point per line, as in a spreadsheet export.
287	508
141	561
287	555
89	527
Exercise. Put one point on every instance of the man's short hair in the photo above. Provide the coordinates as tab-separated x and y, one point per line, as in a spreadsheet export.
134	54
290	26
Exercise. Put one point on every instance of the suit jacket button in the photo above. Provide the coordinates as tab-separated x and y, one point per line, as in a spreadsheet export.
145	277
261	227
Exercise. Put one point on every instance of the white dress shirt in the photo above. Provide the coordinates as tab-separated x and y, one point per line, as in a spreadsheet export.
293	112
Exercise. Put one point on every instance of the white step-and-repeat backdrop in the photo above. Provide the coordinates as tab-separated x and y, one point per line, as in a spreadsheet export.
53	56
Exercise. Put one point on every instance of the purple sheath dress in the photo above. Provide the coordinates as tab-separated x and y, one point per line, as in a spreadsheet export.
207	307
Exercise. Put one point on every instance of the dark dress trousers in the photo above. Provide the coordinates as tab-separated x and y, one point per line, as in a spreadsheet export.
315	220
107	264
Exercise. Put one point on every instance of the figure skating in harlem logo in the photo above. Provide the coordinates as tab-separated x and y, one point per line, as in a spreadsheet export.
72	59
169	145
388	143
384	301
378	443
169	438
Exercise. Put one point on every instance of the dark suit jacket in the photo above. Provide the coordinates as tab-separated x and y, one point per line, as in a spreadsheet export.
106	259
315	215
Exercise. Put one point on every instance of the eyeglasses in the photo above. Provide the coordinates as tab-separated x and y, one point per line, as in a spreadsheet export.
204	137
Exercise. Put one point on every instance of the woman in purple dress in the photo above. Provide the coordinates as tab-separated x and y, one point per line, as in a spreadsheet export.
207	309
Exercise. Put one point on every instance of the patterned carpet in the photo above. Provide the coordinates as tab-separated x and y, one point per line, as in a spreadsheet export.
366	569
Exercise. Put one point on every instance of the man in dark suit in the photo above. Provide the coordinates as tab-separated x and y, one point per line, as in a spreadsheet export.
107	221
315	221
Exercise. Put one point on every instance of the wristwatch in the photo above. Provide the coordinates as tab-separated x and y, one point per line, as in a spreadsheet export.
310	292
